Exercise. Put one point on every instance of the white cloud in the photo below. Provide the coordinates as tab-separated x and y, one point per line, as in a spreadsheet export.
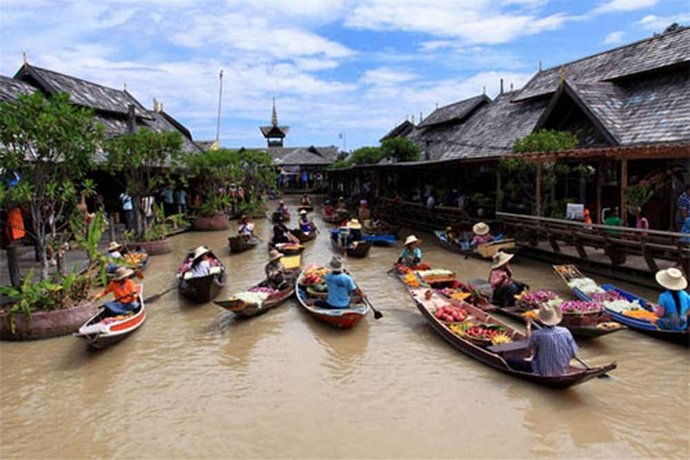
612	6
658	24
478	21
385	76
614	38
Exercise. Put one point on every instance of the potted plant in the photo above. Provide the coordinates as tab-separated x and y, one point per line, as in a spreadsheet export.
142	161
636	196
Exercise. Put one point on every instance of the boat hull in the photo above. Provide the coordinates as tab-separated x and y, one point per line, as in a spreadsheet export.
241	244
203	289
244	310
102	336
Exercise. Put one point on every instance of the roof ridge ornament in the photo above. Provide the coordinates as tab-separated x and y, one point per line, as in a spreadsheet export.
561	73
25	60
274	113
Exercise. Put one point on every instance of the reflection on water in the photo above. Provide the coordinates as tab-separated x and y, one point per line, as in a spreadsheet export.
195	381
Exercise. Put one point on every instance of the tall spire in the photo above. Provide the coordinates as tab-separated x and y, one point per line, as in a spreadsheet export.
274	115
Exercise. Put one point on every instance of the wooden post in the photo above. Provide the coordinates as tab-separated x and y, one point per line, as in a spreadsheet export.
13	265
499	201
111	228
537	192
624	187
600	180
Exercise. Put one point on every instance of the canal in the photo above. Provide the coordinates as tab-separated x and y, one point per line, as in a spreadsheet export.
196	382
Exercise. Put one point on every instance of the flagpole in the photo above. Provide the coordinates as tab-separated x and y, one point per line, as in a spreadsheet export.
220	99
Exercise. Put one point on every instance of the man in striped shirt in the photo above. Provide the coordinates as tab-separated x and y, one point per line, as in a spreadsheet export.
553	346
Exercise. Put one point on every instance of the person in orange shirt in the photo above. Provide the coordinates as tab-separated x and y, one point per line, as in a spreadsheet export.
586	218
125	291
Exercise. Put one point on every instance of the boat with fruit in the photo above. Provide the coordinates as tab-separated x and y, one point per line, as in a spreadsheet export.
288	249
240	243
585	320
311	287
106	328
488	340
305	237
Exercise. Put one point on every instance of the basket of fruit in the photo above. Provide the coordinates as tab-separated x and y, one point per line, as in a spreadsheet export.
451	314
482	334
319	291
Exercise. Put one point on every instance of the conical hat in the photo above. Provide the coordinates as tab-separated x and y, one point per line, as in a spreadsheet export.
501	258
354	224
480	228
114	246
411	239
200	251
548	315
672	279
274	254
122	273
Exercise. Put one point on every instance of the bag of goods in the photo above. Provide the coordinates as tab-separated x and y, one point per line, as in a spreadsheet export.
436	274
451	314
614	301
586	285
250	298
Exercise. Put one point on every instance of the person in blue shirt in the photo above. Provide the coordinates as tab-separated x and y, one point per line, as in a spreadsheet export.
685	229
411	255
675	302
340	286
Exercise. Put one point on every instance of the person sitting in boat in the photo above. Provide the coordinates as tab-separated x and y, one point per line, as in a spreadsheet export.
282	209
125	291
306	201
275	271
328	208
501	280
115	251
482	234
674	303
305	224
451	236
245	228
281	234
340	287
552	346
411	254
202	262
355	233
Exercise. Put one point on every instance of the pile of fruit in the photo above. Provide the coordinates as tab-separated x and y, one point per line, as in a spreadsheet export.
314	275
536	298
135	258
481	332
456	294
411	279
642	314
579	307
451	314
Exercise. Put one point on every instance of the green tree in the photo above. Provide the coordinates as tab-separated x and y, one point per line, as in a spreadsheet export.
545	140
366	156
400	149
258	174
144	159
51	144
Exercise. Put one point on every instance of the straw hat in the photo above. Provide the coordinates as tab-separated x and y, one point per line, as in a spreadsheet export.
480	228
200	251
671	279
273	254
501	258
411	239
449	229
122	273
354	224
336	264
303	211
549	316
114	246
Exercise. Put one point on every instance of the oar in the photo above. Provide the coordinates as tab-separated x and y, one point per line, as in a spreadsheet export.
377	314
157	296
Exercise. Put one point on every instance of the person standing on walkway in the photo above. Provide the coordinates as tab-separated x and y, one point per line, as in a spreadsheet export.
168	201
127	210
181	201
683	207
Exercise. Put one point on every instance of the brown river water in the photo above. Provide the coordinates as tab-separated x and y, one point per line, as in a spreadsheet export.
196	382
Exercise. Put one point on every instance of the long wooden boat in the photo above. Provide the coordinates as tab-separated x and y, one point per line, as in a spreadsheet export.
304	237
452	245
682	337
202	289
488	250
383	228
240	243
248	309
495	356
483	251
276	214
288	249
358	249
106	328
342	318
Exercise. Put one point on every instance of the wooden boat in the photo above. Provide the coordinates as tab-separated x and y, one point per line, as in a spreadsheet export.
570	272
382	228
488	250
484	251
358	249
463	246
495	356
204	288
288	249
240	243
342	318
276	214
247	310
106	328
304	237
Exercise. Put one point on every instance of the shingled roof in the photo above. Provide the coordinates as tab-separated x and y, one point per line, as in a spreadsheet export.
402	130
303	156
455	112
81	92
10	89
665	50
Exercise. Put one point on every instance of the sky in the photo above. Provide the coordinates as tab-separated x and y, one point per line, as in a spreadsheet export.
343	72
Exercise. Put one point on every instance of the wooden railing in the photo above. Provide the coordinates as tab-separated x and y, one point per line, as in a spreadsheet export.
617	242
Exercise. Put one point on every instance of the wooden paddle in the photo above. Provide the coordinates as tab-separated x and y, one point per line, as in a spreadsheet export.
377	314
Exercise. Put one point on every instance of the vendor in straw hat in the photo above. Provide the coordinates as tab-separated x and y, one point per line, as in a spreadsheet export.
124	290
245	228
282	234
482	234
305	224
340	286
501	280
552	346
115	250
411	254
201	262
275	270
355	231
674	303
